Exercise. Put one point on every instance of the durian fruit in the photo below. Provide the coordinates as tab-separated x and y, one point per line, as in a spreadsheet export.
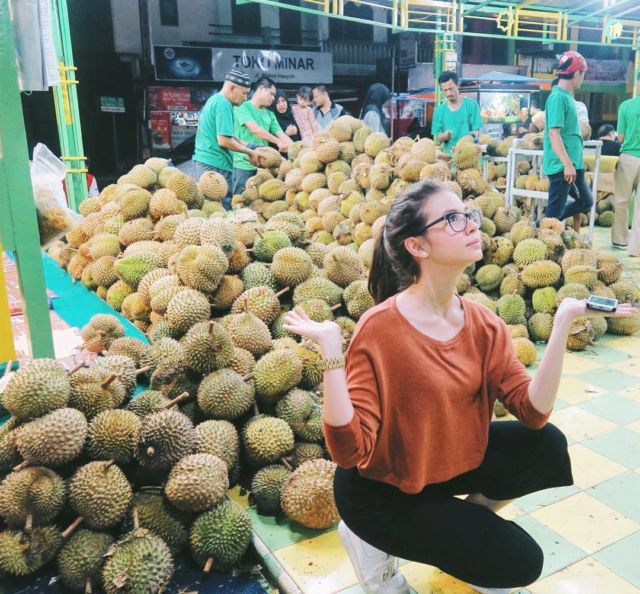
375	142
266	440
303	452
525	351
220	232
609	268
186	309
540	326
37	388
505	219
511	308
249	332
133	267
165	203
9	456
220	537
93	391
113	435
489	277
140	175
579	257
342	266
518	330
157	515
307	497
266	488
207	346
303	412
202	267
197	482
467	155
626	291
117	293
543	273
501	255
574	290
229	289
605	219
276	373
261	301
544	300
54	439
272	190
147	403
625	326
291	266
584	275
31	497
219	438
580	334
100	494
269	243
185	189
224	394
140	563
528	251
81	559
165	437
128	347
357	298
482	299
24	554
213	185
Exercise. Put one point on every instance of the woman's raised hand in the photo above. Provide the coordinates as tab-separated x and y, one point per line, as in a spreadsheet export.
327	334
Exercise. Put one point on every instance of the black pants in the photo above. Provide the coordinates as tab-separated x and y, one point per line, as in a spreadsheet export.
559	191
463	539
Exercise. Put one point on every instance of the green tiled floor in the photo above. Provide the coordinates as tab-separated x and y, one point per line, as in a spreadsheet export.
590	532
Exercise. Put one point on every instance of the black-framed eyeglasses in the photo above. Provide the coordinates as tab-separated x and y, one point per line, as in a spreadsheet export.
456	220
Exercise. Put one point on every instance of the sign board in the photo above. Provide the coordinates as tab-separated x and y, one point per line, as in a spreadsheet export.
212	64
407	50
112	104
177	98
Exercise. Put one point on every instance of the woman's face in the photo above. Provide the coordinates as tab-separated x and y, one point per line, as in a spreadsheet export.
281	105
444	245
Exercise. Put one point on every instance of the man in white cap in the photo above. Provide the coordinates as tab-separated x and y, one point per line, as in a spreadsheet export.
215	140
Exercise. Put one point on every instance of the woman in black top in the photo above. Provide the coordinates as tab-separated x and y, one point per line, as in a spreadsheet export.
282	109
610	146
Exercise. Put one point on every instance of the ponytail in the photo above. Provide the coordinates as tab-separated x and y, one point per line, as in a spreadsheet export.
393	268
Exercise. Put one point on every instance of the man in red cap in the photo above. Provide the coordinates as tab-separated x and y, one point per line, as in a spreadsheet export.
562	160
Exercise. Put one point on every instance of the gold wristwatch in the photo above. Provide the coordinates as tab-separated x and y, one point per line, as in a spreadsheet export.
333	363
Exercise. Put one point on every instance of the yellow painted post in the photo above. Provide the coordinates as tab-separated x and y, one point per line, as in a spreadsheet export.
7	347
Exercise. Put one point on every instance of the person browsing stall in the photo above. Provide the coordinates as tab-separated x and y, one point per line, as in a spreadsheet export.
458	116
282	110
408	410
374	105
257	126
304	114
325	111
215	141
627	177
562	159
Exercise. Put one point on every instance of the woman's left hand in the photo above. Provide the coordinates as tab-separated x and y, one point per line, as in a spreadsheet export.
291	130
574	308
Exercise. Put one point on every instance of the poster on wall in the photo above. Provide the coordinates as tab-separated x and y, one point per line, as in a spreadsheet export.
177	98
160	126
212	64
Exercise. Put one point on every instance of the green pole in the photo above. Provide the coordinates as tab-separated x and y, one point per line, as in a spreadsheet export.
18	224
66	104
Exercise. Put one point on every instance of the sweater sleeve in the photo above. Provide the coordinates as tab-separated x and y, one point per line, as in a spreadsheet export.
353	443
512	382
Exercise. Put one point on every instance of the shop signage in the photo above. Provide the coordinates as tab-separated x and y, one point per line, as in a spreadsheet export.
112	104
212	64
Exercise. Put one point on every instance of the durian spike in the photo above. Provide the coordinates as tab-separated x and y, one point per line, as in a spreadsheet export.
143	370
336	307
282	292
286	464
28	526
208	565
7	369
72	527
78	367
24	464
177	400
104	385
87	586
136	518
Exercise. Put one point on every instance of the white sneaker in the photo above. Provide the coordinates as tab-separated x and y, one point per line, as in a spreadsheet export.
377	572
482	590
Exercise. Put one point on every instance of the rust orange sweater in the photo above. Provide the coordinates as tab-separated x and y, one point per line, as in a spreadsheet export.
423	406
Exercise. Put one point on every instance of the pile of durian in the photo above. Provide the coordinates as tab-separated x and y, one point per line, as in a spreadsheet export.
230	395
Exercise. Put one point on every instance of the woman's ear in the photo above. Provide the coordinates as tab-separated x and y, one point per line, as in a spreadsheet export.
417	247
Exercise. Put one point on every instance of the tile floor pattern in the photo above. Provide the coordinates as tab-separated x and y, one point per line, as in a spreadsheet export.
590	532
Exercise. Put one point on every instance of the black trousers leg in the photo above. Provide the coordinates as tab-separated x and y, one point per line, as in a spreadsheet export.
461	538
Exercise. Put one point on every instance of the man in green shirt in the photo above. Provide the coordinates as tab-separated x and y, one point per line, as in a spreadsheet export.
562	160
256	125
215	141
627	177
458	116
